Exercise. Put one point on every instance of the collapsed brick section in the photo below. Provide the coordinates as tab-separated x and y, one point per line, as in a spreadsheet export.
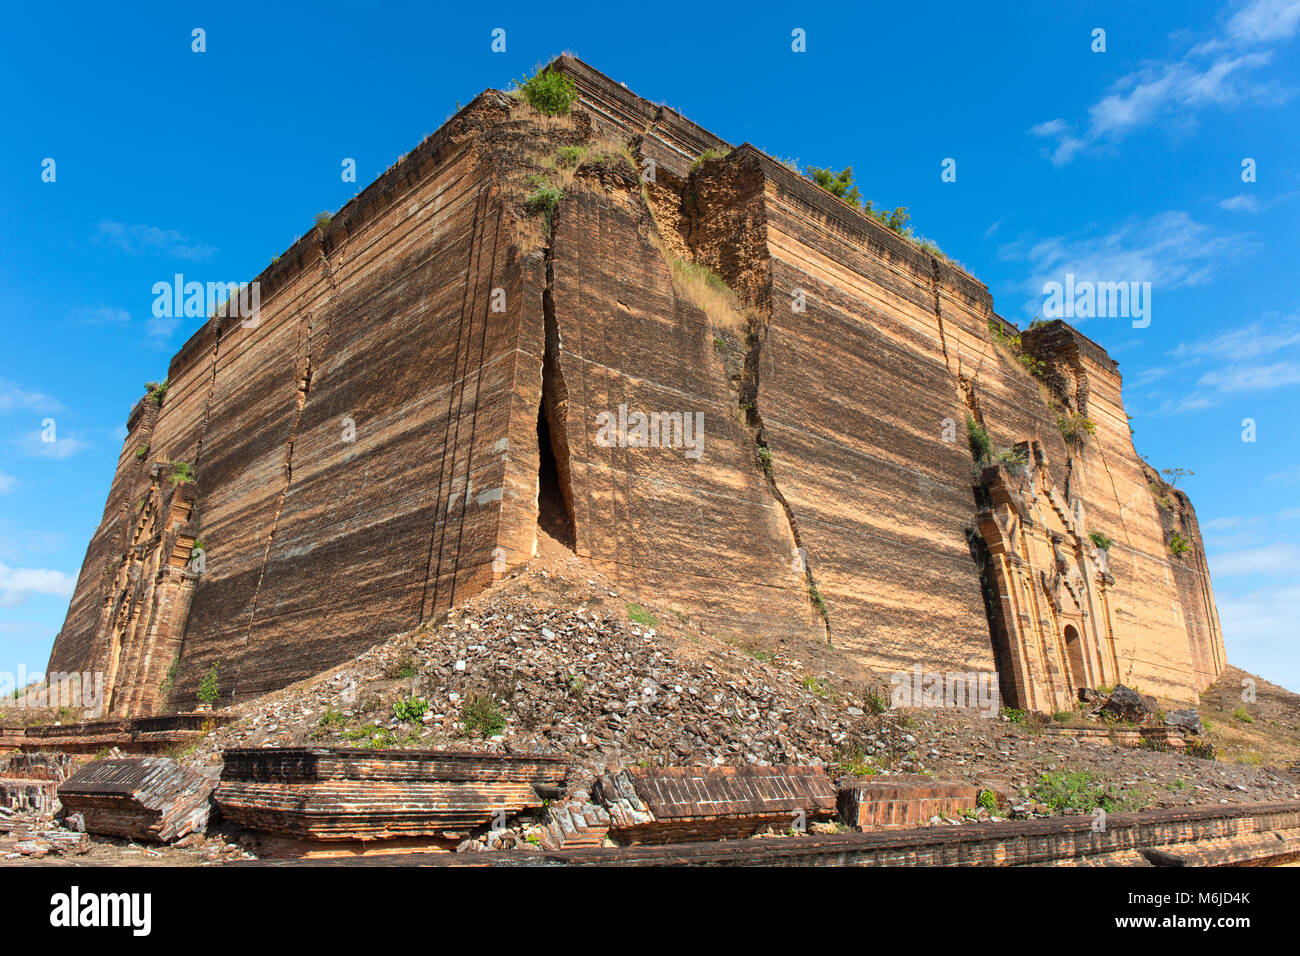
37	796
40	765
138	735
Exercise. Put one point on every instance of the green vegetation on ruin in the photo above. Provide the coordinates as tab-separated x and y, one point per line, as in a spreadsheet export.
209	687
547	91
1178	545
639	615
182	472
842	186
1100	540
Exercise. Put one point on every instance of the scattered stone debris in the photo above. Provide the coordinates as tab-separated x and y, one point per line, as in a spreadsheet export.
143	798
510	672
34	840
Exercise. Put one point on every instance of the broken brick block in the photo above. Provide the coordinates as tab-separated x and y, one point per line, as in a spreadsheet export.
40	765
670	804
343	794
575	825
901	800
141	798
36	796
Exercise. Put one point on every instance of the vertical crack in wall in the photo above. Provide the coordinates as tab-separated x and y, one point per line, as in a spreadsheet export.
938	314
304	387
555	511
753	419
478	399
433	564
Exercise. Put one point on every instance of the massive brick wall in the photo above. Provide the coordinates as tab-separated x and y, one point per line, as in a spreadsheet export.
369	452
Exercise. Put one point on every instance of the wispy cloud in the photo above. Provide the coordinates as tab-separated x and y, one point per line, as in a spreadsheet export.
7	483
15	398
1242	203
17	585
1255	357
1170	250
1267	559
34	445
1247	202
140	239
1259	626
1223	71
101	315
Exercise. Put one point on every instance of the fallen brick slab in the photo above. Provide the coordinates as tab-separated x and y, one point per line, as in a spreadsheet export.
671	804
142	798
1171	737
901	800
1259	834
366	796
138	735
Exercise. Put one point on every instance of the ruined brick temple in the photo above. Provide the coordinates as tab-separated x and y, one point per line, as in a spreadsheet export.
416	408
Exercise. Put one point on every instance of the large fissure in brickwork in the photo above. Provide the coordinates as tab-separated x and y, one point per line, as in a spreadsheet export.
554	477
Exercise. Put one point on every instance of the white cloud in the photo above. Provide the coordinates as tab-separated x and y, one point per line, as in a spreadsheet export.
1252	378
1257	357
1259	628
7	483
1265	21
150	239
1220	72
1245	342
19	584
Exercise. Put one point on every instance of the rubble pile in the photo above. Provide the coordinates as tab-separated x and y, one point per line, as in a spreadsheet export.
510	671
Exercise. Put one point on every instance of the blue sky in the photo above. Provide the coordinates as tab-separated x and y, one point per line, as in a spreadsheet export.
1123	165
